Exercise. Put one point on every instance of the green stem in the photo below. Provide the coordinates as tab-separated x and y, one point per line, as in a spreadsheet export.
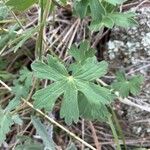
110	122
118	127
39	42
42	22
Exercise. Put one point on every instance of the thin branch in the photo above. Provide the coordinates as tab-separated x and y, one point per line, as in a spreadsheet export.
58	125
126	100
5	85
52	120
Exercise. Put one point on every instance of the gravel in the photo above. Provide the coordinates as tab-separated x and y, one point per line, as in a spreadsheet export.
133	43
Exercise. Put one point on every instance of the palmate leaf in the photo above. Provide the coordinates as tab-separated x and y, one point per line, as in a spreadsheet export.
70	86
126	86
124	20
103	14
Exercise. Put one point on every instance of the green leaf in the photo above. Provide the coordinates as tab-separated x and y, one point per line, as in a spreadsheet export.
21	88
41	130
30	146
103	14
105	22
50	71
81	7
135	83
115	2
70	86
92	8
126	86
26	76
120	76
93	110
27	143
63	1
83	52
80	54
92	69
123	19
96	92
45	98
6	75
95	25
6	37
97	9
94	98
69	108
108	22
3	11
17	119
5	123
19	41
20	5
54	63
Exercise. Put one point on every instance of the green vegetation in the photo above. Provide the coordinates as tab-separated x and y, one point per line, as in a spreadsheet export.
71	86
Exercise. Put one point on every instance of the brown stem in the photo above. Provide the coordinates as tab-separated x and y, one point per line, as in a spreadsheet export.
97	143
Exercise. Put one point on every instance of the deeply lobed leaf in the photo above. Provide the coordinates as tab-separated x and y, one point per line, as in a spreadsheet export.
70	86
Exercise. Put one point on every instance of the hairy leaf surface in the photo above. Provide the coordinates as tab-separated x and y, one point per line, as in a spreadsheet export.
69	86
